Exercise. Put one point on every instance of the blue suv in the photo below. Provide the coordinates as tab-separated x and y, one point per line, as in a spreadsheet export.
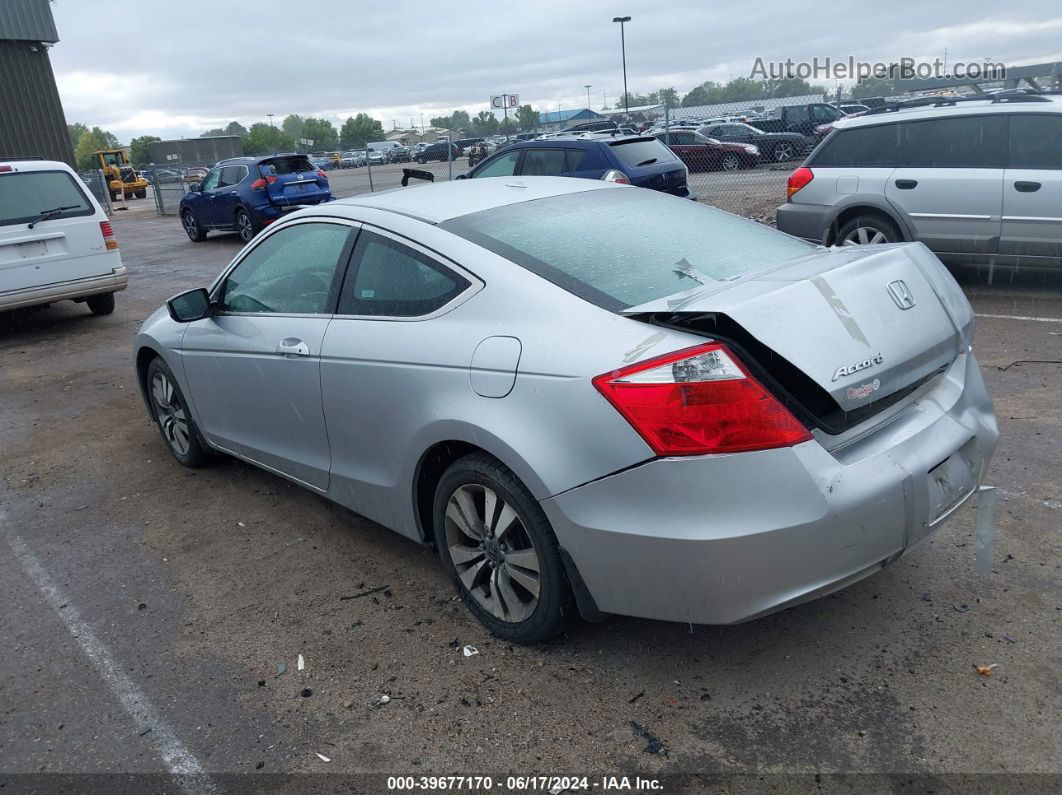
630	159
245	194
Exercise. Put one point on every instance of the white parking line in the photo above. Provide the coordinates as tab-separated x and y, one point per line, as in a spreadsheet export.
1023	317
185	768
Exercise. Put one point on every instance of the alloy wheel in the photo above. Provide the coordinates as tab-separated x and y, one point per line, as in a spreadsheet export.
172	418
190	226
731	163
243	226
492	553
783	152
863	235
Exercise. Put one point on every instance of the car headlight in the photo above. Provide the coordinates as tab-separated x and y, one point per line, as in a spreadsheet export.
752	150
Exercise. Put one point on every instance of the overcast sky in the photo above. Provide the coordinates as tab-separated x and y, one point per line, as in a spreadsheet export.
177	68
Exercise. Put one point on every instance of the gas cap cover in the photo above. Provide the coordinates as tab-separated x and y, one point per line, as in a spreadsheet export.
493	370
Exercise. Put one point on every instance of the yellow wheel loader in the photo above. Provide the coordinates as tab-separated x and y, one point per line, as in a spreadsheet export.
121	176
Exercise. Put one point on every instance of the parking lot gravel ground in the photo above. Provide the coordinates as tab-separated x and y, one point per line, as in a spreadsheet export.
153	616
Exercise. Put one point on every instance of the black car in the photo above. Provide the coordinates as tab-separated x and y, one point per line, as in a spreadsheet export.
778	147
437	151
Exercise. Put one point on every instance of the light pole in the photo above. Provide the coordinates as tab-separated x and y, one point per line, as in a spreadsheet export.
588	97
270	115
623	49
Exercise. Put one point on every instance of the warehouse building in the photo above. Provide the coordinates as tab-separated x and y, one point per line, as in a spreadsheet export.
31	115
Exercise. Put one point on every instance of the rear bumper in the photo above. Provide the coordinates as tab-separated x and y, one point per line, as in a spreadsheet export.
112	282
722	539
809	221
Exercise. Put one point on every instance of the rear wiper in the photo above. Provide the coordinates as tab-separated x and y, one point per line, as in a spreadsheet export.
648	162
46	214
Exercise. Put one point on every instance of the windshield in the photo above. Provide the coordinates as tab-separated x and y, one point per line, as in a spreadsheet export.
623	247
285	165
642	152
24	196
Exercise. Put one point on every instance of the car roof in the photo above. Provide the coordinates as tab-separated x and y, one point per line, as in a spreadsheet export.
965	107
34	164
442	201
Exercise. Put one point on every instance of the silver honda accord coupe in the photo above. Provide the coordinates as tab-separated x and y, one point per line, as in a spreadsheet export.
591	398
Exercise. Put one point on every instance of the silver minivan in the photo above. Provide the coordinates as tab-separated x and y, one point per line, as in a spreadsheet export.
976	179
55	240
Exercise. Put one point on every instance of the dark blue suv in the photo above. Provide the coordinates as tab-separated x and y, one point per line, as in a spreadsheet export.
630	159
245	194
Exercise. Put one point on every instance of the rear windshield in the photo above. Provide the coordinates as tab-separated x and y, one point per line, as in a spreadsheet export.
622	247
286	165
26	195
642	152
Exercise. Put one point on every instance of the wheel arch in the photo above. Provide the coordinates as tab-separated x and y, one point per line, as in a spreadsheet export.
845	214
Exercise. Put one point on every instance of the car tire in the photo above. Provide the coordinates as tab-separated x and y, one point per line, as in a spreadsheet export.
169	411
784	151
422	161
244	226
480	553
195	232
730	162
867	228
142	194
102	304
114	196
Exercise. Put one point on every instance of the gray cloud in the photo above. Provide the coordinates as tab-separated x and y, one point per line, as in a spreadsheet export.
168	68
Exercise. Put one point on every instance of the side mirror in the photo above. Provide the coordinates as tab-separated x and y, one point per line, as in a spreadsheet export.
461	176
189	306
195	187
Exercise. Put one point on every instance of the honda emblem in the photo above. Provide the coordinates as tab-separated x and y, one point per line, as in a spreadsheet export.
901	294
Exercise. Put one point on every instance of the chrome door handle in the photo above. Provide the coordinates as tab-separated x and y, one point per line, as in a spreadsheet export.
292	347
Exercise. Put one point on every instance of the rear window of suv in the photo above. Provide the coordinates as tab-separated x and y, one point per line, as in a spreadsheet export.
285	165
621	247
25	195
642	152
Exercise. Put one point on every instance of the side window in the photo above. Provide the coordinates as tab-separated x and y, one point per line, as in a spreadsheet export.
1036	142
210	181
575	159
290	272
231	175
544	163
388	279
959	142
879	145
503	166
794	113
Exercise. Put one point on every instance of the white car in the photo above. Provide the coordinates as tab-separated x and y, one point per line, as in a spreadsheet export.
55	240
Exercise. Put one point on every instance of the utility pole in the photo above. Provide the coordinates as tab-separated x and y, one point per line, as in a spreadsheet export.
623	48
588	98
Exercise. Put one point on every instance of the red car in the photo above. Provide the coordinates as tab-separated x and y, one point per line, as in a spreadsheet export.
701	153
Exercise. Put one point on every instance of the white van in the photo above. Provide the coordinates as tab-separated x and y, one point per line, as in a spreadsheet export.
383	146
55	240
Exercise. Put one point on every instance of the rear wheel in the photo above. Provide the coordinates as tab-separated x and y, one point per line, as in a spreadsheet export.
244	227
731	162
142	193
500	552
784	151
102	304
114	196
867	229
192	228
171	414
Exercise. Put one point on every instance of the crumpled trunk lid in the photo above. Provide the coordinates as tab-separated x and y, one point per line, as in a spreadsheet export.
842	332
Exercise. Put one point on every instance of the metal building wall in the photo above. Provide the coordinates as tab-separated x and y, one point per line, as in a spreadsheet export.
27	20
31	115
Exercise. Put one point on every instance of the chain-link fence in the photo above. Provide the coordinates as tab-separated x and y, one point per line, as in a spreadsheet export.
168	187
96	182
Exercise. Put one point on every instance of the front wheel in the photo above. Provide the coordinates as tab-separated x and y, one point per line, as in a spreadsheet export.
102	304
170	412
192	228
731	162
783	152
499	550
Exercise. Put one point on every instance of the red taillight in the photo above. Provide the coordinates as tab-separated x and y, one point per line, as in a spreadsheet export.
797	180
322	175
6	168
258	184
700	400
109	240
617	176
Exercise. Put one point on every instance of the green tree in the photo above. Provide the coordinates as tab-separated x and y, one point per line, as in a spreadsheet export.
457	120
741	89
88	143
292	126
322	132
874	87
527	117
485	123
138	149
262	139
75	131
707	93
507	127
359	130
212	133
668	96
235	128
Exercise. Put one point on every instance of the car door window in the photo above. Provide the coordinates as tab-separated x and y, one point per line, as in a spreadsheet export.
544	163
502	166
1036	142
389	279
290	272
210	181
575	159
231	175
879	145
959	142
